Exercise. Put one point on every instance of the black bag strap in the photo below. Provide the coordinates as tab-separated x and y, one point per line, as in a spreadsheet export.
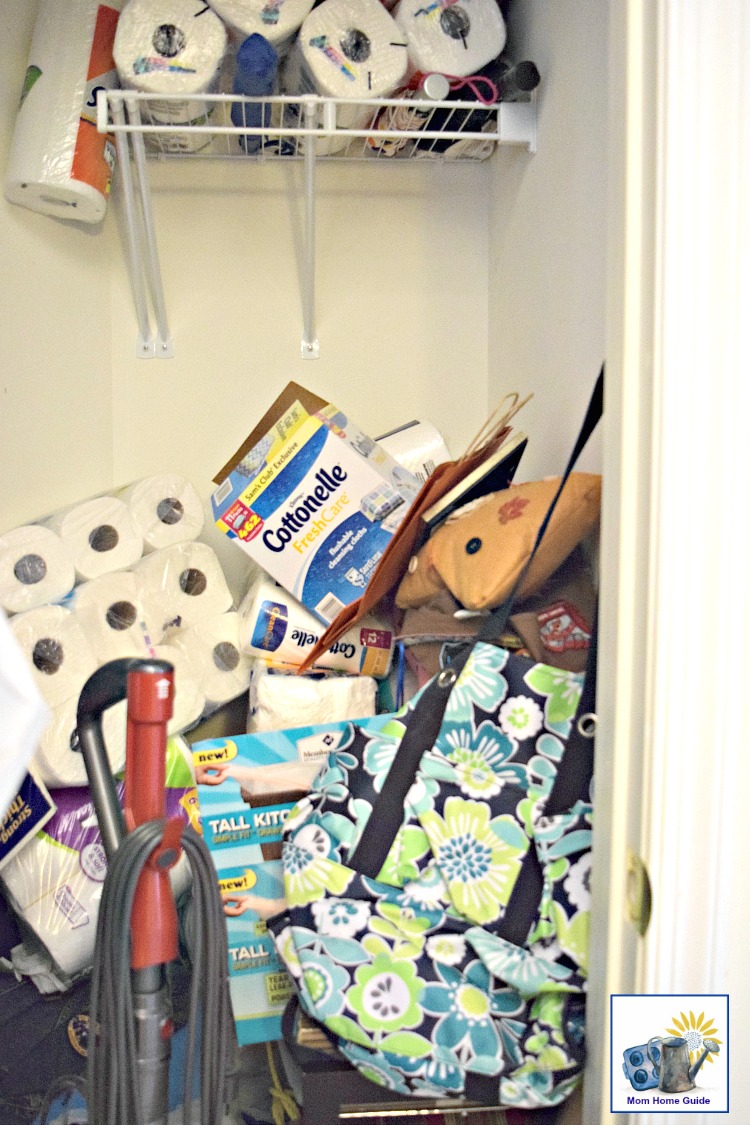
421	734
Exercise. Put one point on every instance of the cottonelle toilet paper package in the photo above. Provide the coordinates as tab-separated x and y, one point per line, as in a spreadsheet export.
317	513
276	20
171	47
274	625
247	787
347	49
59	164
35	568
455	39
55	882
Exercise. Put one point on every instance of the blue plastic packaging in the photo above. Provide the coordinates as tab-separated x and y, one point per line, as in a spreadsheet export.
254	76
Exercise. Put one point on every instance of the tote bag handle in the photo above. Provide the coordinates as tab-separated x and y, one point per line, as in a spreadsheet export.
421	734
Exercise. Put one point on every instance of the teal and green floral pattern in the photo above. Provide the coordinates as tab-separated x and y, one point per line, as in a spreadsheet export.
408	971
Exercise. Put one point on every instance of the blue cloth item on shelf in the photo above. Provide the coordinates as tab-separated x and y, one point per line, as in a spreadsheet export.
254	76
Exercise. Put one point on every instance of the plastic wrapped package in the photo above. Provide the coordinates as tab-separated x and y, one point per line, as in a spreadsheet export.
59	164
54	883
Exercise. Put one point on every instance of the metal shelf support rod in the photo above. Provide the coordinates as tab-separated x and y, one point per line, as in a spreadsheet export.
310	345
164	342
145	348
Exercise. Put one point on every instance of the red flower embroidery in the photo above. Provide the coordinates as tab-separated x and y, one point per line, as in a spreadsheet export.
512	509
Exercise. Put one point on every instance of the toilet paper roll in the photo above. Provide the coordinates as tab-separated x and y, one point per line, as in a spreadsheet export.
171	47
454	39
189	702
35	568
112	615
275	625
100	536
166	509
347	49
278	701
417	446
213	652
56	650
278	21
185	584
59	164
58	760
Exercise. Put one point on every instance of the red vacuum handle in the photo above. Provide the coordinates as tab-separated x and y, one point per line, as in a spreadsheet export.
154	928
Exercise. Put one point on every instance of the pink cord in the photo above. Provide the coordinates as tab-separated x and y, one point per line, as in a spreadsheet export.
473	81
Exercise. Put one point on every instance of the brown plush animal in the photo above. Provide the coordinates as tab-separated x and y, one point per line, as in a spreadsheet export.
480	551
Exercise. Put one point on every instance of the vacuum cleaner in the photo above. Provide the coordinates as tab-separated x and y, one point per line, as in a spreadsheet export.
130	1016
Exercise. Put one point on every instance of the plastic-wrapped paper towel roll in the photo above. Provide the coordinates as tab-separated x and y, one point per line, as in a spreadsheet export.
171	47
417	446
59	164
213	652
57	760
57	651
114	618
347	49
166	510
35	568
278	21
189	701
55	882
453	39
99	534
185	584
274	624
279	701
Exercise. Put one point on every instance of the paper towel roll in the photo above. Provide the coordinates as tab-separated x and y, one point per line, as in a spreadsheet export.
166	509
189	701
213	652
454	39
57	760
185	584
113	617
278	21
417	446
59	164
35	568
347	49
99	534
57	651
171	47
278	701
274	624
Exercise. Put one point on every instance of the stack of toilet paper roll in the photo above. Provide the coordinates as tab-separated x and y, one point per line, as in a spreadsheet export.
80	592
171	47
350	49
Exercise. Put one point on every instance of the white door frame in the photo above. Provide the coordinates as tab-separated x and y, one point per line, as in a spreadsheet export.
675	615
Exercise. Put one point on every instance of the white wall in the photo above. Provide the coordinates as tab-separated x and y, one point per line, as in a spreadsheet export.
548	264
56	385
401	314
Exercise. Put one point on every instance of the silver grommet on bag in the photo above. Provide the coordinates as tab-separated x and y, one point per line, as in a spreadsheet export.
587	724
446	678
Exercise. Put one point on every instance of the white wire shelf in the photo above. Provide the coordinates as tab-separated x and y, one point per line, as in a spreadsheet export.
281	127
309	128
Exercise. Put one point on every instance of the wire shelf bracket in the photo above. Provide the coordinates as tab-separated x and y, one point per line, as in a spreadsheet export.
309	128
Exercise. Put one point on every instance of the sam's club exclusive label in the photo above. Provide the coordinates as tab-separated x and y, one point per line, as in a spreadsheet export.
669	1054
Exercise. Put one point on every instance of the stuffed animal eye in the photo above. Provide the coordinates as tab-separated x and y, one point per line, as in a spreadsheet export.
473	545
